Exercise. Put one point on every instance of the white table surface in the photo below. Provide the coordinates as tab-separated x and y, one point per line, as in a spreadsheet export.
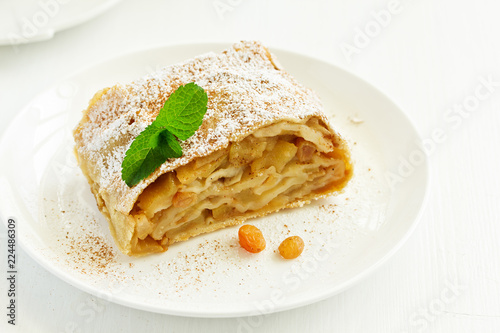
429	57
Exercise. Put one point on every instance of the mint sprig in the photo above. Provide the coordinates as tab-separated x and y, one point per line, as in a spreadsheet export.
180	118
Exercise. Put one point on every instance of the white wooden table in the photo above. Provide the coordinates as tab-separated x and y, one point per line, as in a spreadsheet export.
432	57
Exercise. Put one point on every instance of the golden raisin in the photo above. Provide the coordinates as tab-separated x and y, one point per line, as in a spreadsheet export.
305	150
291	247
251	238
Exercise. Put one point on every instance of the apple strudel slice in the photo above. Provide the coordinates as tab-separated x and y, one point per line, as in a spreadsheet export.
264	145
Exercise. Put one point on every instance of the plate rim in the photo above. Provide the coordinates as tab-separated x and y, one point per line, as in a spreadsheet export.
252	311
51	30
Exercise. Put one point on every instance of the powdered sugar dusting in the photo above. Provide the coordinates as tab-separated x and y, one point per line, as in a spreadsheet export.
246	89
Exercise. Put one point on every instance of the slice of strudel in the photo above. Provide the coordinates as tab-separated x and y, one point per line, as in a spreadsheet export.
264	145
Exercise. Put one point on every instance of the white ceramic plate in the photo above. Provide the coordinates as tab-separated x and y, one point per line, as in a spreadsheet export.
27	21
346	236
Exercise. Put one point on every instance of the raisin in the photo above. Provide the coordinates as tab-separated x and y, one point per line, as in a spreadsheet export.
291	247
251	239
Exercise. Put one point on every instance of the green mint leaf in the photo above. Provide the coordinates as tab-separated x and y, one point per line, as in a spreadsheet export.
183	111
180	117
168	145
148	151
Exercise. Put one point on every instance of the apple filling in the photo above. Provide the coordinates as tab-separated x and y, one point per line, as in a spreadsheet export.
266	171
